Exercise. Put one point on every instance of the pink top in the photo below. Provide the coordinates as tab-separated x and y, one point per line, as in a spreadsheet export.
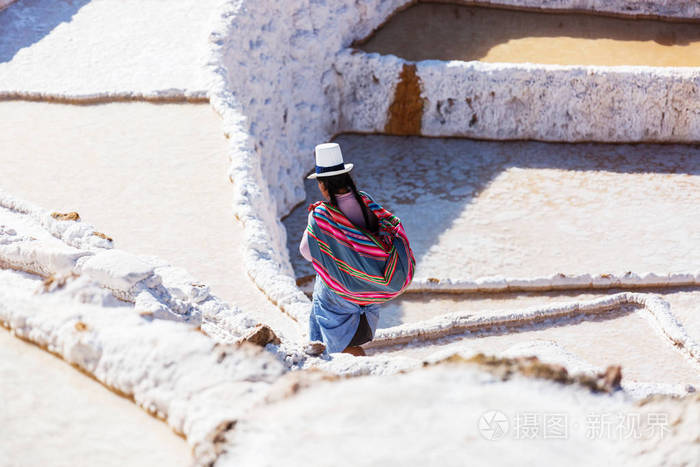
349	206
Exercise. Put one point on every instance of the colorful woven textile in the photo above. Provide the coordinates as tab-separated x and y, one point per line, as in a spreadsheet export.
357	265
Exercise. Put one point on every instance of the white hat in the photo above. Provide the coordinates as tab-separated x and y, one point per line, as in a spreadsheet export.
329	161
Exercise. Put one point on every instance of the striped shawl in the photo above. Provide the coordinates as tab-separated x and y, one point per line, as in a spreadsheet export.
357	265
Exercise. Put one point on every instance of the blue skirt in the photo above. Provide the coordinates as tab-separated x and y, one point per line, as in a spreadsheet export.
339	323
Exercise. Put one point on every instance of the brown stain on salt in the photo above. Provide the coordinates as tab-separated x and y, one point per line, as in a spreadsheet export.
54	282
406	111
68	216
79	100
101	235
607	381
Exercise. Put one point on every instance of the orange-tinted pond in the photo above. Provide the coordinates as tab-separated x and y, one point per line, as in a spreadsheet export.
456	32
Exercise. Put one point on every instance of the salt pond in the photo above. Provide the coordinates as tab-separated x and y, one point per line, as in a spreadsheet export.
52	414
122	47
620	337
526	209
151	176
452	32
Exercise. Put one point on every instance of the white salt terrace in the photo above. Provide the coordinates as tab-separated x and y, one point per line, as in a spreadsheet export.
516	209
151	176
47	405
154	177
474	209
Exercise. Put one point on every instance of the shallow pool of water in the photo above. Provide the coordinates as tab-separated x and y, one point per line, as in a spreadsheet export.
456	32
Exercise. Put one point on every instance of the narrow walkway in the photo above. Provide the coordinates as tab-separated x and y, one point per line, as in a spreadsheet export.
413	307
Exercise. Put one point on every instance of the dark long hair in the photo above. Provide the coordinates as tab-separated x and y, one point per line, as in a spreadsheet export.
335	183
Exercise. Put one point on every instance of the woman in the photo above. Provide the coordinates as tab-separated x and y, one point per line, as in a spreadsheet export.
360	253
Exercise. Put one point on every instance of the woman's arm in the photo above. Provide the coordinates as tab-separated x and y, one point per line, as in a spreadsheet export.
304	245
